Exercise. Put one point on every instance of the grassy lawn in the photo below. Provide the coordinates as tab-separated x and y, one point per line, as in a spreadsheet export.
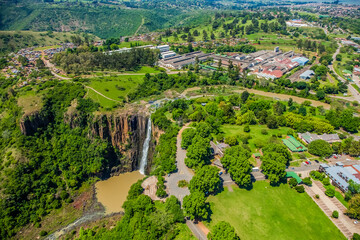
267	212
116	88
30	103
184	233
356	87
146	69
255	133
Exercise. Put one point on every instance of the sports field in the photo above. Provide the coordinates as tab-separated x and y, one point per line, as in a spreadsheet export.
267	212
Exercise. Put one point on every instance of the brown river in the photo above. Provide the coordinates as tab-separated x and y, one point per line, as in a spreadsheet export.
112	192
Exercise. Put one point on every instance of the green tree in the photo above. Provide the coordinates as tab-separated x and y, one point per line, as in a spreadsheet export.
187	137
335	214
354	207
320	148
223	231
244	96
172	205
231	140
273	166
195	206
198	153
206	180
292	182
236	160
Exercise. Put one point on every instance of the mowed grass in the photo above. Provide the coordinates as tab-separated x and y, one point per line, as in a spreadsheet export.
255	133
116	88
267	212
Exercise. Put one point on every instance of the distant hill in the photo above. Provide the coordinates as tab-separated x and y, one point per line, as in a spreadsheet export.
102	20
13	40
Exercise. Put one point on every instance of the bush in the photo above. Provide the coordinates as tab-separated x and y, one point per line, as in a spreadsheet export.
264	132
43	233
182	183
356	236
330	192
247	128
326	181
232	140
317	196
292	182
307	181
300	189
335	214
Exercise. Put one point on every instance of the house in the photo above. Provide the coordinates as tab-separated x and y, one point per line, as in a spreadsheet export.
307	74
219	148
356	70
309	137
256	155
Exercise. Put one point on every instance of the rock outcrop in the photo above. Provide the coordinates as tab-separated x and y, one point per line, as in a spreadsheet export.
29	124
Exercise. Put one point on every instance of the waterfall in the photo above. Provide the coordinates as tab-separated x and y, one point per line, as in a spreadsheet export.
145	150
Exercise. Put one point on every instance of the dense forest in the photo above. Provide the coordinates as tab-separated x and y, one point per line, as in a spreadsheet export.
40	172
82	60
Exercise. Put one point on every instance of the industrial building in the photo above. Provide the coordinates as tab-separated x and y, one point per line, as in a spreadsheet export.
307	74
300	60
309	137
168	54
180	61
162	48
341	174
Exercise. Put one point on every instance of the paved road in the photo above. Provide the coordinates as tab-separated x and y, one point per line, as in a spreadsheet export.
353	91
183	173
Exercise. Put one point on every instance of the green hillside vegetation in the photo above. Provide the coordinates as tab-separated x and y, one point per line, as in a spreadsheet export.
14	40
274	213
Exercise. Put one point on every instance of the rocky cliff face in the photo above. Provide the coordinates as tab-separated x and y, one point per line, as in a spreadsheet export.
30	123
125	131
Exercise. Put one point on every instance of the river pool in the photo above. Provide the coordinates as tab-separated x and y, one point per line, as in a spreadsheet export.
112	192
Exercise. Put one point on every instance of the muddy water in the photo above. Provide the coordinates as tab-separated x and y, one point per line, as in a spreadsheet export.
112	192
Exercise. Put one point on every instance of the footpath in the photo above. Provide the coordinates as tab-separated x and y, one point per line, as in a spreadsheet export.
345	224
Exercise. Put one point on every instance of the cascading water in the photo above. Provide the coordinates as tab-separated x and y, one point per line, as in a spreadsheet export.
145	151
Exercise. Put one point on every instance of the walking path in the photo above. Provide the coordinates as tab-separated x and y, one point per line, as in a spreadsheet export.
328	205
183	173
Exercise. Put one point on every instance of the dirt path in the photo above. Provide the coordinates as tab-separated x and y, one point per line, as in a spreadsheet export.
101	94
142	23
280	96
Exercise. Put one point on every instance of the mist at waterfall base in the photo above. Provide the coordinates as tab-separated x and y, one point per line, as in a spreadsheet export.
144	156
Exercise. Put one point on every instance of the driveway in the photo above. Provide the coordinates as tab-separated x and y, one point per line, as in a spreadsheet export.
183	173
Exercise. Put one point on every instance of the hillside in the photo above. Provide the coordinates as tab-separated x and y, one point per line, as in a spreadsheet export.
13	40
104	21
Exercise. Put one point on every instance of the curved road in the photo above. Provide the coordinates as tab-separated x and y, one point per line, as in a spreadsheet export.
353	91
183	173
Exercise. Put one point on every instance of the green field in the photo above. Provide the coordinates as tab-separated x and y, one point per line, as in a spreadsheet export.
255	133
116	88
267	212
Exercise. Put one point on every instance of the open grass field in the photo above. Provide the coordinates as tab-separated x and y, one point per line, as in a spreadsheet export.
267	212
255	133
116	88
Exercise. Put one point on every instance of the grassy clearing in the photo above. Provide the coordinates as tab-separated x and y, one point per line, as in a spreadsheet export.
30	103
274	213
255	133
116	88
147	69
356	87
45	48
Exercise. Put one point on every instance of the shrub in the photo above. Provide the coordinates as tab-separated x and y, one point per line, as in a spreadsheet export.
292	182
247	128
264	132
335	214
330	192
307	181
326	181
317	196
182	183
300	189
43	233
232	140
356	236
